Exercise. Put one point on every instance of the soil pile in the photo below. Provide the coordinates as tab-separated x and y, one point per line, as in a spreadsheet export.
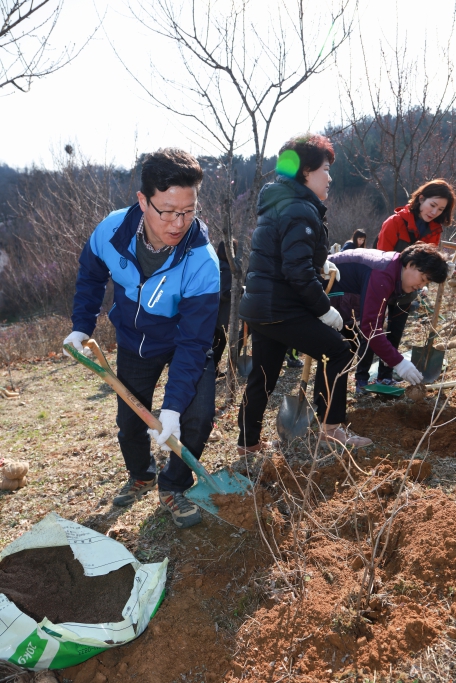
242	511
49	582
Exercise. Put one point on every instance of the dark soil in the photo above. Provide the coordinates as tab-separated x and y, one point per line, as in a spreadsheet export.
49	582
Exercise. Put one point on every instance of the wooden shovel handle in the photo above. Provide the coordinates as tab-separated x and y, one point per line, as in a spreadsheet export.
128	397
307	359
245	335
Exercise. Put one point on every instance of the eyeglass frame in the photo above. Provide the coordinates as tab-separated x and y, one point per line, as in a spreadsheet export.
196	212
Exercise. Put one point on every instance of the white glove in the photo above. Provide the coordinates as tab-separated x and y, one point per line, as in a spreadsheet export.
170	420
76	338
450	269
330	267
333	319
408	371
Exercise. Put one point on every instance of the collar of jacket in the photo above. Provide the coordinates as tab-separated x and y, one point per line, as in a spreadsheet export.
409	220
303	192
127	229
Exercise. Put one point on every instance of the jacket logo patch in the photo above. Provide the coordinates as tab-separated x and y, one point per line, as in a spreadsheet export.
123	262
309	231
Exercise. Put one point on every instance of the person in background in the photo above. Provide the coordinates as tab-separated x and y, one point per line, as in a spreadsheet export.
166	296
375	278
292	359
223	318
285	303
429	208
358	241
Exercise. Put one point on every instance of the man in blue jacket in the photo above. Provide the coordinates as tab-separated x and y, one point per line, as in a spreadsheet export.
166	294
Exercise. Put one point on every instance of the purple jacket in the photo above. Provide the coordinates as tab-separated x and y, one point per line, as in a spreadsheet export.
375	276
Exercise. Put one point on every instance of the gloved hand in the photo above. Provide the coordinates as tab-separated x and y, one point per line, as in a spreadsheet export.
450	269
408	371
328	268
170	420
333	319
76	338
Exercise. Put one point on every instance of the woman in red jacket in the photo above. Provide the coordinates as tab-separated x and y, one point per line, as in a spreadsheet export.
430	208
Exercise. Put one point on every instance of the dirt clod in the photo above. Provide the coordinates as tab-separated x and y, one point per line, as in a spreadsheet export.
416	393
241	511
49	582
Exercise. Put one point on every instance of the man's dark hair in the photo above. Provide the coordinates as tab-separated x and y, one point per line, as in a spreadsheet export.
427	259
435	188
168	167
312	150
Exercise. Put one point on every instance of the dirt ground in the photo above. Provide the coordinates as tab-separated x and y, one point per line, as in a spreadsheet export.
349	573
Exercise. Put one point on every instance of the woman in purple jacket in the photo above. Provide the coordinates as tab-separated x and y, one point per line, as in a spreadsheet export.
378	278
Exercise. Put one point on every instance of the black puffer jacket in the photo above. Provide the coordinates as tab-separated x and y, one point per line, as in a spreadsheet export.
289	248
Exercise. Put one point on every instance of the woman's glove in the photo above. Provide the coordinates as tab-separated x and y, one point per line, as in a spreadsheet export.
330	267
76	338
170	420
408	371
333	319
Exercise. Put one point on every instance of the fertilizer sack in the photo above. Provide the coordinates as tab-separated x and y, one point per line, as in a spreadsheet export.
46	645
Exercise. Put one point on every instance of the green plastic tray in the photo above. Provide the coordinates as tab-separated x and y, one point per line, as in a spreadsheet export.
385	389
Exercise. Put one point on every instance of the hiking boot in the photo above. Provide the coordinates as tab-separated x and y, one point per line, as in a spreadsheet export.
294	362
344	436
133	490
359	389
184	512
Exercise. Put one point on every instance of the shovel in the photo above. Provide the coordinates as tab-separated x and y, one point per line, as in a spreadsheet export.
244	361
427	359
222	482
296	414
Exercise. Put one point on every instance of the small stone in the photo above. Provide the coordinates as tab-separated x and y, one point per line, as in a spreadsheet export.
361	641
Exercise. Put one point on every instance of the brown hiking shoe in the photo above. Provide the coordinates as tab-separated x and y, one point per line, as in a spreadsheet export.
184	512
133	490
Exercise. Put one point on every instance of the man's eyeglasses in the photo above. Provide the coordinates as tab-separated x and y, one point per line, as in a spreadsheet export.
170	216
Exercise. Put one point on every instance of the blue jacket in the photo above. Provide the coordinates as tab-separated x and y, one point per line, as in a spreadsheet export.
175	310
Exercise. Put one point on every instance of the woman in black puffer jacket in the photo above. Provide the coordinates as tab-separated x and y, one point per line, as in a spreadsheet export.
285	303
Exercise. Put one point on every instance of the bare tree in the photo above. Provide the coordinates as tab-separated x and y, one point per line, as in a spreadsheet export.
25	32
404	132
228	68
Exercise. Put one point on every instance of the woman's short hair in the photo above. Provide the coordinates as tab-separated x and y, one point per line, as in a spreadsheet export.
427	259
311	150
169	167
358	233
435	188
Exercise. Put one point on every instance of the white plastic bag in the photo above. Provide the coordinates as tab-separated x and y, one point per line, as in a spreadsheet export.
54	646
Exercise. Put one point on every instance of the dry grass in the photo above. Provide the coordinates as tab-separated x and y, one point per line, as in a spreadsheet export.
43	337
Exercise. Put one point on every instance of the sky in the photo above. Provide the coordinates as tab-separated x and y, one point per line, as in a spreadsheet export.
94	104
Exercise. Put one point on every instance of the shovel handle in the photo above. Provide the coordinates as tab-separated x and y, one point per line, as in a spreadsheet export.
245	335
307	359
105	372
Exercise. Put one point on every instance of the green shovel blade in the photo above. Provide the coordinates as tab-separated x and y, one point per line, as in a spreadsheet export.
222	482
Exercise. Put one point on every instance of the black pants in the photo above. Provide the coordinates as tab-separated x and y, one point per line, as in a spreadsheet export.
140	376
308	335
397	320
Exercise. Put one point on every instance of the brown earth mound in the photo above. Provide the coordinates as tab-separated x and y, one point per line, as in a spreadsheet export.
49	582
242	511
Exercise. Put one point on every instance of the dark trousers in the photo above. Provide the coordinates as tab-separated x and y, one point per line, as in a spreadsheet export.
397	319
140	376
308	335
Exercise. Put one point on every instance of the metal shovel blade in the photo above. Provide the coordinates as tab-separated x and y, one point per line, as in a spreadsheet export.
245	364
221	482
295	416
428	361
